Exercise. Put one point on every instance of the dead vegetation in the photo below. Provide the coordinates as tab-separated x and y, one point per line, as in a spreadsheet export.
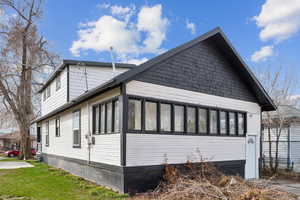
203	181
281	174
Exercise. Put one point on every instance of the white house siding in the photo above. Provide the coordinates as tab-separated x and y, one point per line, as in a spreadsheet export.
145	149
57	98
95	77
107	147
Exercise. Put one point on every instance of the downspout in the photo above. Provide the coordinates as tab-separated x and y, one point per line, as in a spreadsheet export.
260	145
89	135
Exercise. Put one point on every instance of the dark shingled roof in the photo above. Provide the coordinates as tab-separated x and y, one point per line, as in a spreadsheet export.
217	35
86	63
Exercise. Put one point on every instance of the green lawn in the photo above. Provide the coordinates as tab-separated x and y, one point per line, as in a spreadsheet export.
45	183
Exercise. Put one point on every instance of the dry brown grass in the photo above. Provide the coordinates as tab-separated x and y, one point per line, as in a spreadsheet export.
282	174
203	181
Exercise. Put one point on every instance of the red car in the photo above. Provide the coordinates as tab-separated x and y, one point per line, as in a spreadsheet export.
13	153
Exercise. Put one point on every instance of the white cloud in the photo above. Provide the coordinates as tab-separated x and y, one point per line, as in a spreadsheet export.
107	31
262	54
150	20
129	38
137	61
191	26
279	19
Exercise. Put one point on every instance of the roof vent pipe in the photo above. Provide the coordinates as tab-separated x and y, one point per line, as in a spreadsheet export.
112	58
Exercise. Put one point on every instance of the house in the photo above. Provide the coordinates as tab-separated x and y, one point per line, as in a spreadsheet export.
288	138
119	127
11	141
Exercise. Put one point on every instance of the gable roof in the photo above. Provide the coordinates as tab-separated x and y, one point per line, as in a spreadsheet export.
65	63
223	43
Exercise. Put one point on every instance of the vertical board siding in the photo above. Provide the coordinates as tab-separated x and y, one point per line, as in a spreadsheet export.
295	145
107	147
143	149
57	98
95	77
148	149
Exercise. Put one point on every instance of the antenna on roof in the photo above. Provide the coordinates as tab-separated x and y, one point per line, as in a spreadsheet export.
112	58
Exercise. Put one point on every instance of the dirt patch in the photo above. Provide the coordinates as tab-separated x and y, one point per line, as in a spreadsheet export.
203	181
14	198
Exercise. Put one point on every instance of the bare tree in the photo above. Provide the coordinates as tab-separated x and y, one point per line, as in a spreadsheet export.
280	85
23	56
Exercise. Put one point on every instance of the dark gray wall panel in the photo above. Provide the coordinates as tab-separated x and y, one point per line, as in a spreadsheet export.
201	68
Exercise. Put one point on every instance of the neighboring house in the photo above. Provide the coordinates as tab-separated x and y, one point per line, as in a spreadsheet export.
11	141
289	140
196	100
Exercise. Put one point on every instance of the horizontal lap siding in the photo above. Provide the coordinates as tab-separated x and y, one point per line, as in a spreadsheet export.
106	149
145	149
57	98
95	77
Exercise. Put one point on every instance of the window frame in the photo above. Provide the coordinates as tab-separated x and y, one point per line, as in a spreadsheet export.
79	129
185	105
47	138
58	82
142	122
48	91
57	128
103	106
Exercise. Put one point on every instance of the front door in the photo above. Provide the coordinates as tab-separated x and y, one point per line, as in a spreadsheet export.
251	157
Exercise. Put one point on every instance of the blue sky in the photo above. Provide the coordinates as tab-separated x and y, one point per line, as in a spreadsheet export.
132	28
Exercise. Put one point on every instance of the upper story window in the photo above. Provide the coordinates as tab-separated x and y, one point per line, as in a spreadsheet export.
76	127
106	117
48	90
45	95
58	82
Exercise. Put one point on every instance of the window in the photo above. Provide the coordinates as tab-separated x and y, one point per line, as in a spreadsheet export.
134	114
179	118
47	133
102	117
150	116
76	129
106	117
58	82
213	125
48	91
232	123
116	115
223	122
165	117
241	123
109	117
96	119
57	127
44	95
191	120
202	120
